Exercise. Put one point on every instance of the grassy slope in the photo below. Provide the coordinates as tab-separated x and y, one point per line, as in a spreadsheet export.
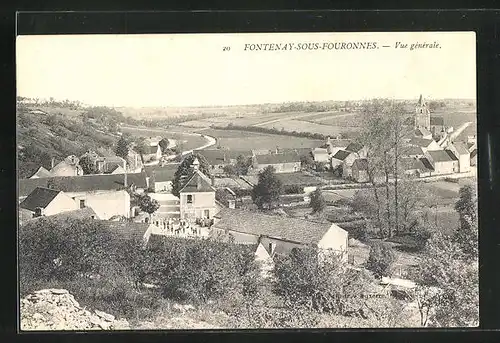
57	135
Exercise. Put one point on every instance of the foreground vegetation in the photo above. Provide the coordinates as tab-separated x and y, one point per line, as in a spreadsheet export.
106	270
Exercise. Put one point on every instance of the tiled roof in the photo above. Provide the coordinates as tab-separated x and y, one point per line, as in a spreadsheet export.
300	151
289	157
361	164
163	174
421	142
215	156
42	172
442	156
354	147
197	183
416	164
412	150
151	149
437	120
81	213
426	163
286	228
83	183
461	148
40	197
341	155
422	131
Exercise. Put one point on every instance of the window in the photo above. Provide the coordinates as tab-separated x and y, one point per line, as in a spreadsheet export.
82	203
93	217
190	199
38	212
207	214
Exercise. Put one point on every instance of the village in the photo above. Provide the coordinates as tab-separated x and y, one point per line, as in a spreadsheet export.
207	205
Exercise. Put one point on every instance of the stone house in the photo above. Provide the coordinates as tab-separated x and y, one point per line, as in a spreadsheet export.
344	159
277	234
360	170
219	158
358	149
321	155
197	196
105	204
152	153
425	144
161	177
47	202
40	173
460	151
287	162
68	167
443	162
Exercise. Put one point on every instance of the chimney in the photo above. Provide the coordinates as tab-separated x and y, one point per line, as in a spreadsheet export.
125	180
52	163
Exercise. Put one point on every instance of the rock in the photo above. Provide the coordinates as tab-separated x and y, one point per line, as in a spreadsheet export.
105	315
63	312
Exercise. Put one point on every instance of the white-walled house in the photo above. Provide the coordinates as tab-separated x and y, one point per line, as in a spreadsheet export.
105	204
279	235
197	196
47	202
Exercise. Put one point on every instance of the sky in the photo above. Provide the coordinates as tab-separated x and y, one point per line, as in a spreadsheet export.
196	70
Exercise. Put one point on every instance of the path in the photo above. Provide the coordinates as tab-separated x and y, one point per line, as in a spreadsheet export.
210	140
458	131
301	116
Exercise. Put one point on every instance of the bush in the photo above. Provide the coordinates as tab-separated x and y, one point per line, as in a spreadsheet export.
198	270
293	189
64	250
322	285
381	259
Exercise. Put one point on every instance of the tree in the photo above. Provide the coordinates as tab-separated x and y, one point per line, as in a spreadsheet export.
306	161
266	193
448	282
149	205
63	250
325	284
243	164
466	234
230	170
88	165
450	269
185	169
121	149
383	132
318	202
381	259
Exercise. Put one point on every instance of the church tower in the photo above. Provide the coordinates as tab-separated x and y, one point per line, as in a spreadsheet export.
422	114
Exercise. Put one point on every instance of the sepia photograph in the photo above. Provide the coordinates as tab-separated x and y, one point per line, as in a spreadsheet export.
247	181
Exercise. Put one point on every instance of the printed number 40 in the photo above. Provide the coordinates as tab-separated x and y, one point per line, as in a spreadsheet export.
226	48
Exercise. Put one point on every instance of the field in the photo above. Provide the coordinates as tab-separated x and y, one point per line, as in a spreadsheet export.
305	126
186	141
243	140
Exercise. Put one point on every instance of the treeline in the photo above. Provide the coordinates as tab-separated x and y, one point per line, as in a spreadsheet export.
73	105
259	129
163	122
305	107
